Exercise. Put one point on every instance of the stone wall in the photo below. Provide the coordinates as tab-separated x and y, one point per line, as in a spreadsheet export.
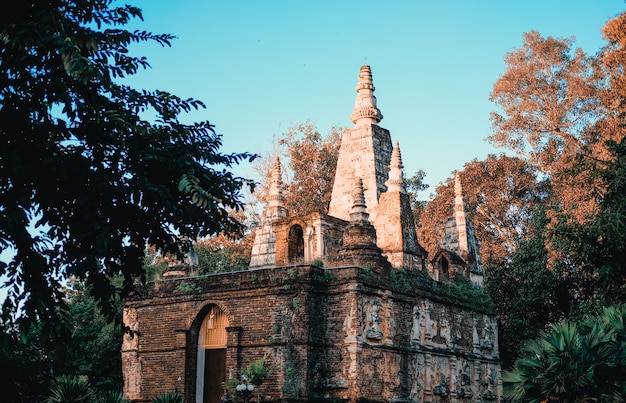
348	333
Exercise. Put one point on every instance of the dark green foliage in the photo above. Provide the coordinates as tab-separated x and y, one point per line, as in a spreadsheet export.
70	389
460	291
30	367
527	295
168	397
571	264
595	251
95	343
574	362
318	263
85	180
114	397
86	342
256	373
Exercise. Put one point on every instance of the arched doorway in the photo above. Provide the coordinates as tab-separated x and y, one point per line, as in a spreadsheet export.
211	368
296	244
445	269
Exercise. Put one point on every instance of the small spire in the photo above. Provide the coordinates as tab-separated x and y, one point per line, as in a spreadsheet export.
395	183
365	110
359	209
459	214
275	194
459	206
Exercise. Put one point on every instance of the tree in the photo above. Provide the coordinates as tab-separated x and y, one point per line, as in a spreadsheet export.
85	181
574	362
219	253
550	106
593	253
582	242
613	72
548	97
528	297
499	193
88	346
94	342
414	185
222	254
309	162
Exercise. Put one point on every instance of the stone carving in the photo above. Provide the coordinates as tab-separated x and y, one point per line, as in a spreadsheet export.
487	339
417	325
488	382
442	388
428	310
464	382
458	337
417	384
441	332
373	332
440	375
444	331
475	338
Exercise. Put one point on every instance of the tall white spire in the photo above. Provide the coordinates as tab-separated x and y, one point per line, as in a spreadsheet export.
459	214
275	193
365	153
365	110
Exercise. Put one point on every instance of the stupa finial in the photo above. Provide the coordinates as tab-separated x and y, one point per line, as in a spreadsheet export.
395	183
365	110
359	209
275	194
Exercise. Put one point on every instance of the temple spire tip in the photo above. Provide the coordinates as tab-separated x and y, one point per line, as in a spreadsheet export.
365	110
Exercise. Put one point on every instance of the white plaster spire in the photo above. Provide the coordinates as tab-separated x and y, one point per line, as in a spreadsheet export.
459	214
275	194
395	183
358	213
264	247
365	110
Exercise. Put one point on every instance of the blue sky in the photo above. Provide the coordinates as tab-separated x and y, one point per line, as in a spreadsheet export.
262	65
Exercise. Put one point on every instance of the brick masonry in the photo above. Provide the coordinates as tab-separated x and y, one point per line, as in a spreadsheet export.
342	334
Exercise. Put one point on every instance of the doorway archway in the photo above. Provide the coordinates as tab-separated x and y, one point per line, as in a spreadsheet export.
295	253
211	364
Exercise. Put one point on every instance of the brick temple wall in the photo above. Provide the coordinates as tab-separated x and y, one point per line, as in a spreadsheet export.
348	334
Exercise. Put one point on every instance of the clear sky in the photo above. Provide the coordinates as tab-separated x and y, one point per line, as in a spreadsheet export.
260	66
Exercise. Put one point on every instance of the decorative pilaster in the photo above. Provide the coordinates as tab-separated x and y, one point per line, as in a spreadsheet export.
234	360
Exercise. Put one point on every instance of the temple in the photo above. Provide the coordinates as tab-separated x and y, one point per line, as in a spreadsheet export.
344	306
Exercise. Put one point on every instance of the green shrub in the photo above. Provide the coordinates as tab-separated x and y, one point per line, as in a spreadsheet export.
70	389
